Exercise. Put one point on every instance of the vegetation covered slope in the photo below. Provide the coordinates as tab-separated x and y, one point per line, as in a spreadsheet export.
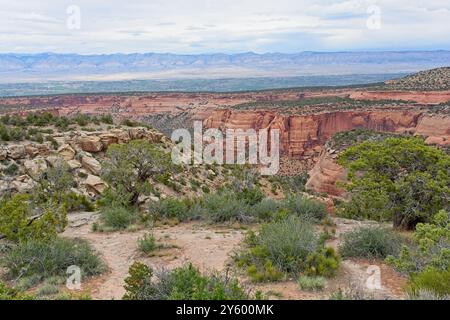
434	79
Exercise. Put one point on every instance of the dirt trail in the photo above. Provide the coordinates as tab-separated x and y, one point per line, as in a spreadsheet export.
206	247
210	247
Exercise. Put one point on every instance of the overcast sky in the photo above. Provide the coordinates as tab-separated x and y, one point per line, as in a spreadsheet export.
230	26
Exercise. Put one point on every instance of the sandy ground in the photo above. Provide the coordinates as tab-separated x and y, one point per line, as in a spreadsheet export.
205	246
211	248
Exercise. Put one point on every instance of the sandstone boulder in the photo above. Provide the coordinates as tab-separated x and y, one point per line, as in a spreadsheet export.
91	144
35	167
74	164
95	184
137	133
31	150
108	139
67	152
122	136
91	164
37	149
23	184
16	151
54	161
154	137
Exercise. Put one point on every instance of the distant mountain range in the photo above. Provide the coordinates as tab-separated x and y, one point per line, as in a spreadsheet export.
43	67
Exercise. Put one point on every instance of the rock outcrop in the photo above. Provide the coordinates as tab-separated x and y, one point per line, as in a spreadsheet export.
325	175
91	164
31	158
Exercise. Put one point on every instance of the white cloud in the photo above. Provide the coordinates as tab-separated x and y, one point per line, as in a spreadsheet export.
196	26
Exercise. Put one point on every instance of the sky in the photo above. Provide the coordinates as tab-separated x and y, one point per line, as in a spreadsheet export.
228	26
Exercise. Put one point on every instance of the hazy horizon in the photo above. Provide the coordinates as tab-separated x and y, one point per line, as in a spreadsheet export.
221	53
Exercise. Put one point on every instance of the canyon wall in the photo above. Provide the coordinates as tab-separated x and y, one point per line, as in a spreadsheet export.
301	134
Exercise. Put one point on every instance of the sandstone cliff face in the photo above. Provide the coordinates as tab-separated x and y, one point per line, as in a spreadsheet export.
300	134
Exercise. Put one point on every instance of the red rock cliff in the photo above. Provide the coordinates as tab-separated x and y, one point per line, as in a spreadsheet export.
299	134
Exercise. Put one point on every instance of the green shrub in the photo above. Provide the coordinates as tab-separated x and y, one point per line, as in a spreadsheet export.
51	258
184	283
223	207
265	273
82	119
129	123
311	283
25	283
47	290
399	179
7	293
305	208
172	208
107	118
370	243
288	243
431	247
19	223
128	167
266	209
52	140
250	196
147	244
290	184
11	170
77	202
283	245
118	217
324	262
54	184
432	280
163	177
426	295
